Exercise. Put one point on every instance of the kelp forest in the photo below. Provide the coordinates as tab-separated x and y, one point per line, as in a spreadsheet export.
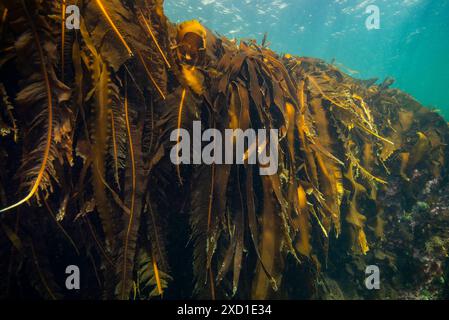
86	177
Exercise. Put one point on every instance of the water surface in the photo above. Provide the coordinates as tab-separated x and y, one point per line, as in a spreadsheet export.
412	44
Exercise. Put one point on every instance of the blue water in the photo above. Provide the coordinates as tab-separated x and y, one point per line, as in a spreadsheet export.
412	44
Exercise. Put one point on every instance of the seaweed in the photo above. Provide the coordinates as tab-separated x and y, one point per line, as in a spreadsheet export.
91	132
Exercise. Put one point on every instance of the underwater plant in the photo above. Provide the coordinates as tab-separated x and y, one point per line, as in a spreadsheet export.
86	178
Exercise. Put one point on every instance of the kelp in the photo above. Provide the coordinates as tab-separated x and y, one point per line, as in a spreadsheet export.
27	97
104	11
98	155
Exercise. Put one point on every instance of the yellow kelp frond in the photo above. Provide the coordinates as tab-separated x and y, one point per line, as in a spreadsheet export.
114	147
370	131
49	98
330	177
291	117
156	276
317	147
388	148
420	150
101	93
114	27
366	110
234	110
363	243
368	156
404	157
193	78
302	198
63	14
192	26
181	107
152	280
357	220
191	39
354	110
313	81
364	172
148	28
150	76
354	217
269	246
367	174
303	243
338	177
123	292
328	186
350	176
323	229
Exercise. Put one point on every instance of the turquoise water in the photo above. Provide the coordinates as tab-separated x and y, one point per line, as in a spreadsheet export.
412	44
